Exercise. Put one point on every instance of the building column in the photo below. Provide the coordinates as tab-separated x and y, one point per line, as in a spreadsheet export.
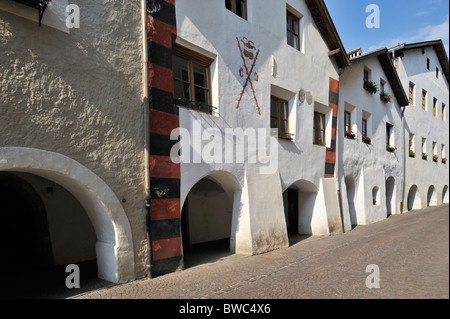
165	210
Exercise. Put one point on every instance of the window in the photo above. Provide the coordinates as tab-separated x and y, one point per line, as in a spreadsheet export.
412	151
424	148
293	30
428	63
366	76
424	100
435	156
411	93
382	84
239	7
348	121
364	127
319	129
437	73
443	112
279	116
389	134
191	79
434	107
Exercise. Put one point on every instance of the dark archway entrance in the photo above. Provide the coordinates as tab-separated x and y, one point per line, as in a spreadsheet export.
206	222
40	221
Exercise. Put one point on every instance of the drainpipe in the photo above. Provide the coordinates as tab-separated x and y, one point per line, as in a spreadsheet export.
394	59
146	107
404	161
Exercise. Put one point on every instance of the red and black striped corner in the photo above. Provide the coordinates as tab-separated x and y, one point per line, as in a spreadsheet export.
164	219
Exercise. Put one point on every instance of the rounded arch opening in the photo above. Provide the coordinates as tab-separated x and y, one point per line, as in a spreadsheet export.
113	246
351	197
414	201
431	196
207	218
376	195
445	195
299	202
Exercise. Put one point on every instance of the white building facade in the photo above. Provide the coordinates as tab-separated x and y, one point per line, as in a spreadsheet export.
371	165
254	66
424	72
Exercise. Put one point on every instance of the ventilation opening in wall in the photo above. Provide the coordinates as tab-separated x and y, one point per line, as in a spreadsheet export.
375	196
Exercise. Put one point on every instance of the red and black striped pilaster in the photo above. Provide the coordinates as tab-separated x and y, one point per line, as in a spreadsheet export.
333	100
164	219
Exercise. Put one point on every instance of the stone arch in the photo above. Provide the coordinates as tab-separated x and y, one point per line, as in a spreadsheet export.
299	201
431	196
445	195
351	198
414	201
114	246
376	195
208	213
390	196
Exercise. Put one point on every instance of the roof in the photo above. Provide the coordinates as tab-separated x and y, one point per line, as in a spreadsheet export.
326	27
437	45
385	60
350	52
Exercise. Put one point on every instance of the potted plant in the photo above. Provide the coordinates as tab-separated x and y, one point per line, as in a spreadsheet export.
390	148
444	160
366	139
350	134
385	97
424	156
435	158
374	201
412	153
371	87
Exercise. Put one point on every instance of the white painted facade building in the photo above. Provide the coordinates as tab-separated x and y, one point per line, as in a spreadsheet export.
424	72
235	200
370	173
92	119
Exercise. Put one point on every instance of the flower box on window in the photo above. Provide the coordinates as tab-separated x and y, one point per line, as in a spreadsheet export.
366	139
444	160
424	156
391	148
350	134
435	158
412	153
385	97
371	87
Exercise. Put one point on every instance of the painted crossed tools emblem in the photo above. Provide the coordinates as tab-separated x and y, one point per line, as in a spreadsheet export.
248	55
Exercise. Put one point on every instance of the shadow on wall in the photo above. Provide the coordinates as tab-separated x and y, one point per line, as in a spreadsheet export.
351	196
414	200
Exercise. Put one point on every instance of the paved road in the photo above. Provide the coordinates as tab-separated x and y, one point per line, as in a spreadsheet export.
411	251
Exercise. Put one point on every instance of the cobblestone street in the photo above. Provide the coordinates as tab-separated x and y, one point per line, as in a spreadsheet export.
411	251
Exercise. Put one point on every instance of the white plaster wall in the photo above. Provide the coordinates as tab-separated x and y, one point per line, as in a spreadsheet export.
369	165
80	95
282	71
425	173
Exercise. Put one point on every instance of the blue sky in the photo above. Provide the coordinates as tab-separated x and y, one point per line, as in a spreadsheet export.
400	21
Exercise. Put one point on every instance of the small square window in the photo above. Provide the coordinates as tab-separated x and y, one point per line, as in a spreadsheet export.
191	80
239	7
279	116
411	93
319	129
293	30
424	100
